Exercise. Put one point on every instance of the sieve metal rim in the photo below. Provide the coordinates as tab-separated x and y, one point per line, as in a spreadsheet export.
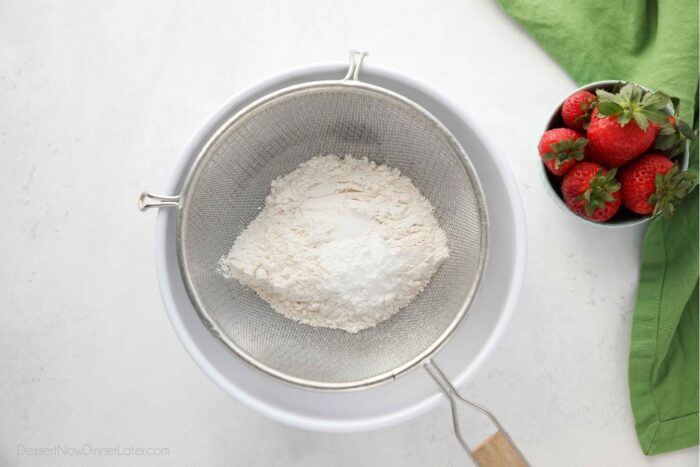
190	182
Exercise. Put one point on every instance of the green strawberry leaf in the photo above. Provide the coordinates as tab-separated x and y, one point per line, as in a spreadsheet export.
665	142
599	192
676	103
655	101
669	211
675	152
565	150
672	138
655	116
626	91
685	129
671	188
606	109
641	120
579	144
605	96
636	94
658	179
624	118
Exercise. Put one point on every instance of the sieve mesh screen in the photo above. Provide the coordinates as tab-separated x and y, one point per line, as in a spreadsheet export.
228	187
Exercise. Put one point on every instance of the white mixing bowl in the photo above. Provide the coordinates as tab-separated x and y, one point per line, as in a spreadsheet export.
414	393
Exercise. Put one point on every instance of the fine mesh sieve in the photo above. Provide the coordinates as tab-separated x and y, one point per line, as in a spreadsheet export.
227	186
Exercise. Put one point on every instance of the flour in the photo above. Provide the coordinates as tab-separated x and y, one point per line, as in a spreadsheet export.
341	243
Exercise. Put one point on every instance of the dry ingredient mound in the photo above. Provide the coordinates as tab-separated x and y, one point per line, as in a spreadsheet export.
341	243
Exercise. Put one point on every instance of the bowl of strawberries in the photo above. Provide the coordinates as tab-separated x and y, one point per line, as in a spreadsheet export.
616	153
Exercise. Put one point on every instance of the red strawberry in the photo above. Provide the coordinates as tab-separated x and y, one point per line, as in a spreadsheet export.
653	184
624	125
560	148
591	191
576	111
588	153
613	145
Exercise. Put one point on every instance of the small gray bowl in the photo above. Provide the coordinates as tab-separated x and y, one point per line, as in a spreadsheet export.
624	217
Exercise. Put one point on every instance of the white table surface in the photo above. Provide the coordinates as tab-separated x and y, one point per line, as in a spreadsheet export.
96	101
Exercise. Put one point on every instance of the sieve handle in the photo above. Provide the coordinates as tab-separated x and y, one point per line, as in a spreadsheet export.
498	450
356	59
149	200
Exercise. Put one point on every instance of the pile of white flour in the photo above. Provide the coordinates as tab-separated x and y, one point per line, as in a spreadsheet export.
341	243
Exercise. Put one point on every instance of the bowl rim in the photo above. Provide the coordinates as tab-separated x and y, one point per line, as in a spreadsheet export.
590	87
169	287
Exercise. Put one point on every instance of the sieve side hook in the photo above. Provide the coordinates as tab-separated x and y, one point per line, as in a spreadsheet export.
356	59
499	449
149	200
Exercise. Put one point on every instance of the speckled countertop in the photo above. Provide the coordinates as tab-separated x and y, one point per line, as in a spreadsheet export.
97	100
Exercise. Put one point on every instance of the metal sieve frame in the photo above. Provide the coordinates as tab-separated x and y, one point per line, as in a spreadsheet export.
500	444
182	202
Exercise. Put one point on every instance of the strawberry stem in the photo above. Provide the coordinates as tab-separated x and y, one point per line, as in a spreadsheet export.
632	103
600	190
671	187
566	150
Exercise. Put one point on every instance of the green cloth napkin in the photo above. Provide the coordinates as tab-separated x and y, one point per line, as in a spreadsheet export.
653	43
